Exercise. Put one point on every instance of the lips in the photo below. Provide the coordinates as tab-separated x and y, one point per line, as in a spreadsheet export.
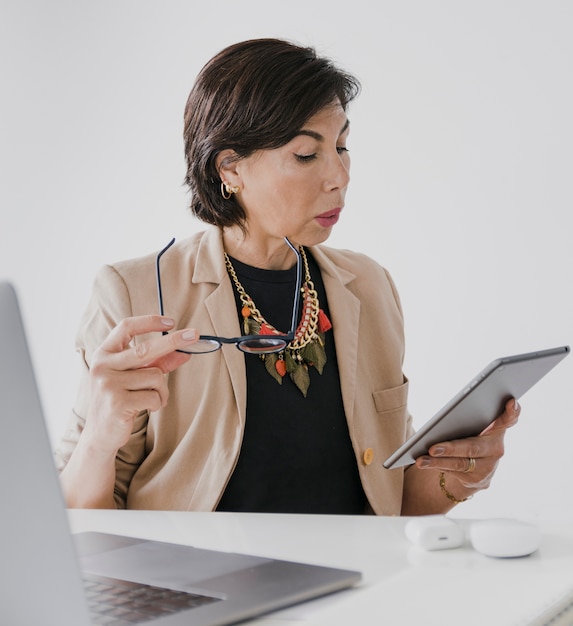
328	218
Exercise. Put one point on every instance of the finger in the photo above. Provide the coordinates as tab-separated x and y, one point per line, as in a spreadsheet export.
467	471
148	352
110	419
507	419
454	455
470	446
146	400
124	394
459	464
122	335
458	448
157	349
466	465
124	386
139	379
478	447
171	361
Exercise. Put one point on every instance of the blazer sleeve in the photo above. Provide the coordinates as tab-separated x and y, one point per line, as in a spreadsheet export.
110	302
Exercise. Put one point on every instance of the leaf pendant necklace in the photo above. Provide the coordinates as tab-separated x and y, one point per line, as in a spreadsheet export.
306	349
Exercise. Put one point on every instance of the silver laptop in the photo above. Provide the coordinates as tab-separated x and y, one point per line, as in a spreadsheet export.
51	576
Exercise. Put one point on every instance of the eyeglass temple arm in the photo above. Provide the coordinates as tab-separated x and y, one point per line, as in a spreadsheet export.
158	276
296	293
297	287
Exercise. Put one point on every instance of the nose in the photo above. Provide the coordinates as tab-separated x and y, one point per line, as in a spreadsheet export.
338	175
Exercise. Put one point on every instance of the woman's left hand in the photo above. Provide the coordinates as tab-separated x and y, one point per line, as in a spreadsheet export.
472	461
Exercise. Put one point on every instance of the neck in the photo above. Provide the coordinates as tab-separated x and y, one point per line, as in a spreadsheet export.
270	253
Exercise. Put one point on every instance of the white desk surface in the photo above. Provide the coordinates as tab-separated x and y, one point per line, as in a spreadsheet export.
401	583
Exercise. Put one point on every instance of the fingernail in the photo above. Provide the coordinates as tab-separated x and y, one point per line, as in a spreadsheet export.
425	462
167	321
438	451
189	335
515	405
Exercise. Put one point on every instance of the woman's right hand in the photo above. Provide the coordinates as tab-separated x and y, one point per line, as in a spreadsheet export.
126	379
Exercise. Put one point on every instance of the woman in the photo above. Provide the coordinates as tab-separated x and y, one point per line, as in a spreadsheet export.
297	422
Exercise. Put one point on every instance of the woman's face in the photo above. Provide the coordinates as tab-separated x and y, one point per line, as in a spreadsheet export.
298	190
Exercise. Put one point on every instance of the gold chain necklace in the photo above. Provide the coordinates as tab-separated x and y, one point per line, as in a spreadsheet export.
306	349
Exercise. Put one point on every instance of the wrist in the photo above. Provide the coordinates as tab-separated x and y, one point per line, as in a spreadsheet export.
96	448
460	494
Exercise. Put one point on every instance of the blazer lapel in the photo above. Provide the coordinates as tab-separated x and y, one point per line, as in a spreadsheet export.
344	309
220	305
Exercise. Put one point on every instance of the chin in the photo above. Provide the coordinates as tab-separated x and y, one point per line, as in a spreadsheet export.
319	237
309	239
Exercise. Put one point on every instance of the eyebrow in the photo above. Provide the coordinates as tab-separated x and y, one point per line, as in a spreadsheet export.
318	136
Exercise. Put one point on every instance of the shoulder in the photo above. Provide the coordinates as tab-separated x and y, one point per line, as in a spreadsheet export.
129	287
351	266
202	252
179	253
349	260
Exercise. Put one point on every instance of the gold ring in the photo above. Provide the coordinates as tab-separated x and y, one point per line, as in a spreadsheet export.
471	465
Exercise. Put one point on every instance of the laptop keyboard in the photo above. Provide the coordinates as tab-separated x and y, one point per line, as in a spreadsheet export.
120	602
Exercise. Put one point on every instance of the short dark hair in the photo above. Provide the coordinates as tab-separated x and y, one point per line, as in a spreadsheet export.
253	95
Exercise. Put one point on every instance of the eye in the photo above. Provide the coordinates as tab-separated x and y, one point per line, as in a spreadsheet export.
342	149
305	158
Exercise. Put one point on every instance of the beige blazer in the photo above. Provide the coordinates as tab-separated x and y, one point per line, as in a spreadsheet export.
181	457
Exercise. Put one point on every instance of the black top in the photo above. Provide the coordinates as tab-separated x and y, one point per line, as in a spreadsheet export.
296	455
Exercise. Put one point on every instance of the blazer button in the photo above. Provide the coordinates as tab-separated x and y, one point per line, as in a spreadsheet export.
368	456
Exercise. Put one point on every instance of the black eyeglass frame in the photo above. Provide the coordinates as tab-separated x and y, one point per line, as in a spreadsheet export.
273	343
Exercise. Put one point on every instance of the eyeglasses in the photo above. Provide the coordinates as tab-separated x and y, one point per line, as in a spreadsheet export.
253	344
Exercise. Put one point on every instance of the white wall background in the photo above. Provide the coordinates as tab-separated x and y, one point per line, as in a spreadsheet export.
462	180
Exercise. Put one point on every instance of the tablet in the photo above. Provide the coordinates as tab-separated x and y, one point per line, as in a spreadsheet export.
480	402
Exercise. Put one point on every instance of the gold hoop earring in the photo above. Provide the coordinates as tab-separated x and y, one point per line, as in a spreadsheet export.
227	190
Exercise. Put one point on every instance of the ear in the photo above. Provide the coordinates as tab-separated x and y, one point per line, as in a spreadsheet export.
226	164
